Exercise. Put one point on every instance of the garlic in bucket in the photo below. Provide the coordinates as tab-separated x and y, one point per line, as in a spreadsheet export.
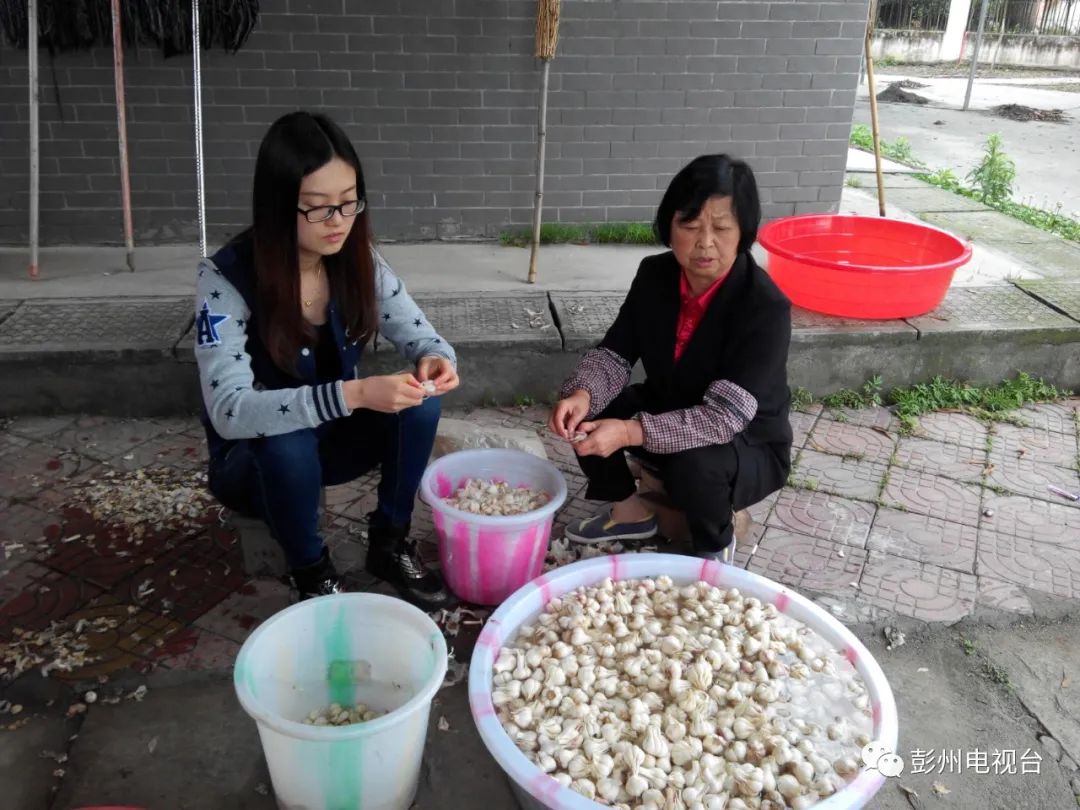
496	498
644	694
337	715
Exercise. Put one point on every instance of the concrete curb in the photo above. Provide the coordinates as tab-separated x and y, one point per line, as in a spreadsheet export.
135	357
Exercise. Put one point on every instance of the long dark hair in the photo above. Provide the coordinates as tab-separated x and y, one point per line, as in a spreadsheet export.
296	145
709	176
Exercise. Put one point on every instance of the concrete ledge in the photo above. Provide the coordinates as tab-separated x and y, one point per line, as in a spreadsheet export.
111	386
584	317
930	199
94	329
7	307
828	353
491	320
1052	256
1062	296
134	357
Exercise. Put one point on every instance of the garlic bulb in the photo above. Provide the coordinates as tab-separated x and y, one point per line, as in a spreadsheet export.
845	766
674	731
700	675
685	751
608	789
655	743
585	787
530	688
636	785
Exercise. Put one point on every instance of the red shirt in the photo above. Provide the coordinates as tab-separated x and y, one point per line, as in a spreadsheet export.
691	311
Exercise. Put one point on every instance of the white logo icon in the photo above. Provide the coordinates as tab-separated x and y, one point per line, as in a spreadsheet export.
877	757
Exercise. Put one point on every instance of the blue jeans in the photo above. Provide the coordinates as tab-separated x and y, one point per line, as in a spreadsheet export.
280	478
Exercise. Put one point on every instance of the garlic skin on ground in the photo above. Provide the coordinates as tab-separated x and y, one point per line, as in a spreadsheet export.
642	694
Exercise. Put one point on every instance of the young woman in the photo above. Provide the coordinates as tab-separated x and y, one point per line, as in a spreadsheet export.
283	314
712	333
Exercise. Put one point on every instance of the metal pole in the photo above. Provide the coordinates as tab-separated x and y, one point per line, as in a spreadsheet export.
197	83
975	53
121	133
35	163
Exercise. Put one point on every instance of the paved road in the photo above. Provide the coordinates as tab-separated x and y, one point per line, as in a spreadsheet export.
1047	155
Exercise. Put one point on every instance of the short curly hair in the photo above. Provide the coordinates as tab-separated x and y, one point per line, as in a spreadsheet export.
711	176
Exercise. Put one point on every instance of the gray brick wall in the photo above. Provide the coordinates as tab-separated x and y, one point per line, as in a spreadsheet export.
440	100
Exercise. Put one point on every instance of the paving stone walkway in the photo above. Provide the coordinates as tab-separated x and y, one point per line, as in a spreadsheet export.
932	525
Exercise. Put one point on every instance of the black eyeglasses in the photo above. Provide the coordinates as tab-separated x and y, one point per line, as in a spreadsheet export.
321	213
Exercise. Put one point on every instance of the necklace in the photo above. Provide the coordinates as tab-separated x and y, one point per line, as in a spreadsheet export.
318	275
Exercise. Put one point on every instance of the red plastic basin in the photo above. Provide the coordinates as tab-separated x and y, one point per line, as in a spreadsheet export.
862	267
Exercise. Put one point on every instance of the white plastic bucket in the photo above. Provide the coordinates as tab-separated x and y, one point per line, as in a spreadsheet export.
347	649
538	791
486	558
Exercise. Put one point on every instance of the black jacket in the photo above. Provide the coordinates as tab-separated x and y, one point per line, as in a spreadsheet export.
743	338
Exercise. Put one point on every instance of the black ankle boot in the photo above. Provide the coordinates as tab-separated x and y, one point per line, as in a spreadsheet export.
395	559
318	579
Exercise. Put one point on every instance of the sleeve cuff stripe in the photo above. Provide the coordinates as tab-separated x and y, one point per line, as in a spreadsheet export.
329	401
319	409
334	392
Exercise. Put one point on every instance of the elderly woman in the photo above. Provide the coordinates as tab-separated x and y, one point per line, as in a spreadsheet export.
711	331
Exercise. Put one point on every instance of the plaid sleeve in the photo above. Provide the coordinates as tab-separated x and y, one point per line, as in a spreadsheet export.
725	411
601	372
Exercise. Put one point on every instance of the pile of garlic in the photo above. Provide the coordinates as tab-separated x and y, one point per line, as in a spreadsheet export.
496	498
338	715
643	695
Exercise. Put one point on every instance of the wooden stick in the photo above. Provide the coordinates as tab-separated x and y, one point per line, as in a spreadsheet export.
121	133
541	141
873	107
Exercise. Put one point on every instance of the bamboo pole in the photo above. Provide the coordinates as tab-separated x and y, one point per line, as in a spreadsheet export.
35	146
547	38
541	143
196	81
874	126
121	133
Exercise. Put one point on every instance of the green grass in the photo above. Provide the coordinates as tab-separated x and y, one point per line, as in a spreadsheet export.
898	150
1051	221
633	233
998	675
969	647
558	233
1076	424
992	402
880	498
869	395
801	399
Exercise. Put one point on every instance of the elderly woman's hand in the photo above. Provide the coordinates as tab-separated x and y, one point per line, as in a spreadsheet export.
607	436
568	413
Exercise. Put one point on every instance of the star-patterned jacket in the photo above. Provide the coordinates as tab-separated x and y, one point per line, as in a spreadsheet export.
245	395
